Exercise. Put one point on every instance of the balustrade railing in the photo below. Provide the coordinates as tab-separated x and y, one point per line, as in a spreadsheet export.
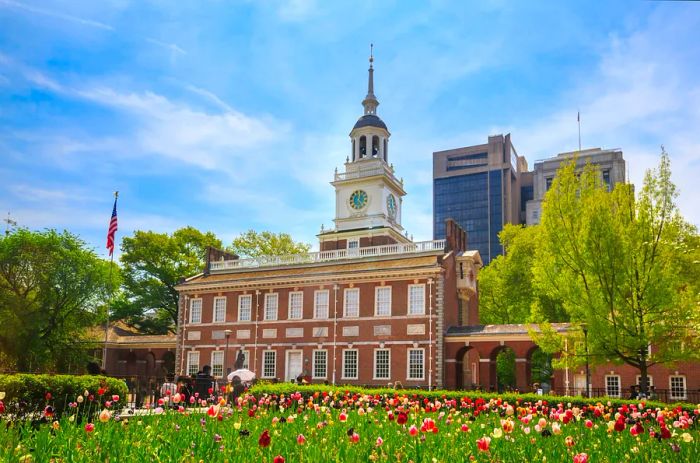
329	256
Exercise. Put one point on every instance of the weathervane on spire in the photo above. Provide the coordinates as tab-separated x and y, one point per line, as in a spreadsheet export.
370	102
371	54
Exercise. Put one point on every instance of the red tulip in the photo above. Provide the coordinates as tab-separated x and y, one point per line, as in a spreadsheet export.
483	444
355	438
101	391
581	458
48	396
278	459
115	398
402	418
413	430
264	439
301	439
2	407
89	427
343	417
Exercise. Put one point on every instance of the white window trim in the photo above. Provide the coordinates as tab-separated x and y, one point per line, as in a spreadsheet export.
619	386
374	369
249	297
328	304
274	373
376	301
357	364
408	299
276	296
301	309
685	388
200	310
650	380
408	364
189	361
313	364
214	319
223	367
345	302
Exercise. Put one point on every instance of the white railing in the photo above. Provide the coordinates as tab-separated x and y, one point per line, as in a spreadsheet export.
329	256
362	173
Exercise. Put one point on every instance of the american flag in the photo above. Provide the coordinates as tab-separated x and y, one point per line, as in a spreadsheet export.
112	228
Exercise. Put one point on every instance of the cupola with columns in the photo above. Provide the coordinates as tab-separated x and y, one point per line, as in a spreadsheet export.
368	195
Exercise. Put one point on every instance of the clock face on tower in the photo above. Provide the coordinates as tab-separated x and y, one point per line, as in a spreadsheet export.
358	199
391	206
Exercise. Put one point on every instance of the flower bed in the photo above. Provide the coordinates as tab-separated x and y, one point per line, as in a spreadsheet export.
356	426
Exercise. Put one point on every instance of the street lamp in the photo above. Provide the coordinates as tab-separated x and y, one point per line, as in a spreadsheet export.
584	327
228	335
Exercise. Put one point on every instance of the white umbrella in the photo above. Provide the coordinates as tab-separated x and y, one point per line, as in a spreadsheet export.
243	374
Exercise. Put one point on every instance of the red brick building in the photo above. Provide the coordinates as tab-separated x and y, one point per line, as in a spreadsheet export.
371	307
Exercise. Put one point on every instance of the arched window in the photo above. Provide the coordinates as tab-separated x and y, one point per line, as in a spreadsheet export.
363	146
386	151
352	156
375	146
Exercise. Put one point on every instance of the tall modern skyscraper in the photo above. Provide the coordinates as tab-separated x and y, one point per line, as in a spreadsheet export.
480	188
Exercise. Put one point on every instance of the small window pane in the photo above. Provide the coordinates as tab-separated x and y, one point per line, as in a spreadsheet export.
381	364
416	299
352	302
320	367
296	302
195	311
416	364
271	306
382	305
219	309
269	363
217	363
244	307
350	364
321	304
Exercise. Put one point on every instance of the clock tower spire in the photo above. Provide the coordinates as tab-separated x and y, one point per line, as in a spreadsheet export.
368	195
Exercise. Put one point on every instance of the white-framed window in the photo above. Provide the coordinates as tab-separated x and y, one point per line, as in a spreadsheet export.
350	358
416	364
296	304
269	364
217	363
219	309
351	303
612	385
246	358
416	299
320	364
245	304
650	380
677	387
382	364
271	302
321	304
196	311
192	363
382	301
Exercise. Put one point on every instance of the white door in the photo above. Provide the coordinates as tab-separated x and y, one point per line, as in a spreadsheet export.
293	364
580	385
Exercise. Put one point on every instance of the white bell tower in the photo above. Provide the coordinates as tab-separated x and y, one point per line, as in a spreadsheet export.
368	197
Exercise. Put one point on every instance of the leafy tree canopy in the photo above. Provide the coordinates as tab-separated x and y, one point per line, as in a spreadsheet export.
153	263
622	267
254	244
52	288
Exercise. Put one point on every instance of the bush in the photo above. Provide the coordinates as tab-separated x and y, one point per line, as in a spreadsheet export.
28	395
513	398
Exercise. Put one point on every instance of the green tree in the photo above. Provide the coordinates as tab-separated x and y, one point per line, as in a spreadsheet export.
52	289
506	291
505	369
619	265
153	264
254	244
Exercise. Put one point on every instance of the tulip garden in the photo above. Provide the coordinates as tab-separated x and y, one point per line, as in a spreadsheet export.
347	426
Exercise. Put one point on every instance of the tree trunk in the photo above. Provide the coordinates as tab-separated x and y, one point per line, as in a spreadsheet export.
644	375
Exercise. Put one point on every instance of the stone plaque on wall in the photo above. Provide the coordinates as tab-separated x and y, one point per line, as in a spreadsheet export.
194	335
243	334
270	333
351	331
295	332
218	334
382	330
415	329
320	331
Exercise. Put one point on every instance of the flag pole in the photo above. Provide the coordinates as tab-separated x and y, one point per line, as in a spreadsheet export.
578	117
109	299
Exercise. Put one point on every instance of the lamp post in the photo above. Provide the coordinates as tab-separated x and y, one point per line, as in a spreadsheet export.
584	327
228	335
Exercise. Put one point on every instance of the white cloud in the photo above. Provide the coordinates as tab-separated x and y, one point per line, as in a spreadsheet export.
56	14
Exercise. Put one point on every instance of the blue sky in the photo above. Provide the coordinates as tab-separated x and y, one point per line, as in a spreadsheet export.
231	115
